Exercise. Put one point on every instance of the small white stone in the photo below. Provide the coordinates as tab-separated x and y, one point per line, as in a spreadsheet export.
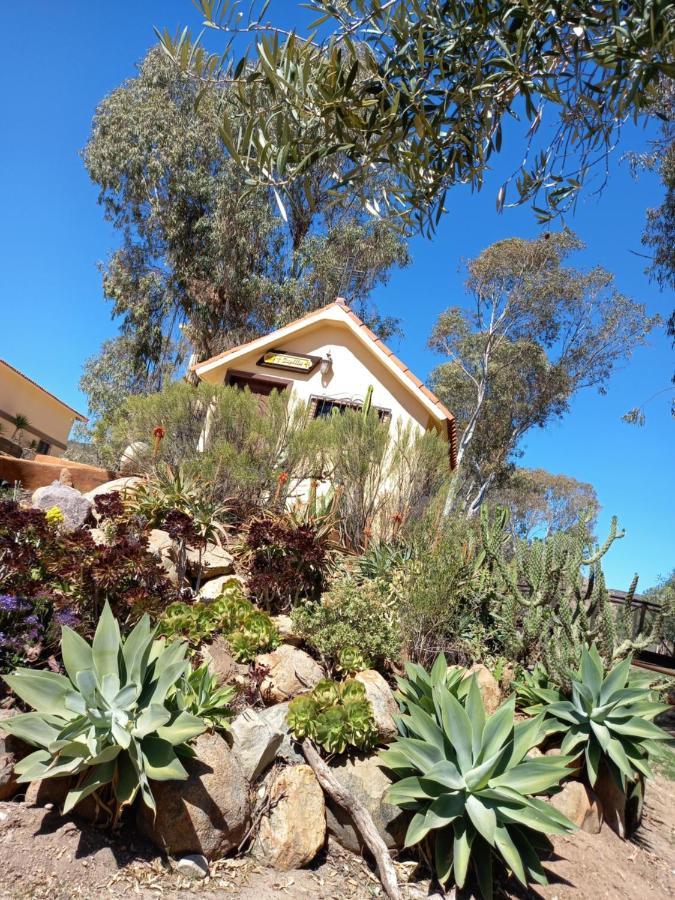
193	866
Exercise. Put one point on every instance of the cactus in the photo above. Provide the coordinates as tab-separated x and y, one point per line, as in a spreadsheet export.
550	610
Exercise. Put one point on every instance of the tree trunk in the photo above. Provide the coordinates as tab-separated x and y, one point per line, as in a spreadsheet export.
361	817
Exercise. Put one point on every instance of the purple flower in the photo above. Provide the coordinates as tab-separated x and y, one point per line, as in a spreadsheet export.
67	617
11	604
31	620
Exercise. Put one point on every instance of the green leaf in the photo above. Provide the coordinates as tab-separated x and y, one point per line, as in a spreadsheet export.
475	710
160	761
136	650
33	766
183	728
482	863
76	652
443	855
417	830
34	728
639	728
44	691
591	670
150	720
445	773
483	817
461	851
456	725
615	680
407	789
497	728
444	810
95	779
534	775
509	851
106	644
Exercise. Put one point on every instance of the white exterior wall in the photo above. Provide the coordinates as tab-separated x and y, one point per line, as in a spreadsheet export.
354	369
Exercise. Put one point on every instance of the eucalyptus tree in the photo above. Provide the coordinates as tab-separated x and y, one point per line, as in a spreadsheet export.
534	333
429	91
205	261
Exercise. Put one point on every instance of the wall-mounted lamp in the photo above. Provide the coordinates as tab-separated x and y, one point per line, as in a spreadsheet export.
327	365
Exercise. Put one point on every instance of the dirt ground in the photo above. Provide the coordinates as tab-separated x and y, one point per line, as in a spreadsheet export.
45	856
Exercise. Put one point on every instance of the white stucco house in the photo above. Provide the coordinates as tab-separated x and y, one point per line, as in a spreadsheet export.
329	358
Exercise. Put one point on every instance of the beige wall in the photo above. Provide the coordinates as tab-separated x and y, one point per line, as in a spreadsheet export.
354	368
50	420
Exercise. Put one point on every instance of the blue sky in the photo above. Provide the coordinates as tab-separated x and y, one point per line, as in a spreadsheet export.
63	58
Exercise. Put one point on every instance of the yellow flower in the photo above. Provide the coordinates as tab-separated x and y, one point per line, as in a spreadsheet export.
54	516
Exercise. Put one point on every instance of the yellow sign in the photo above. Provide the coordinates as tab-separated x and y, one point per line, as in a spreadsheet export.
296	362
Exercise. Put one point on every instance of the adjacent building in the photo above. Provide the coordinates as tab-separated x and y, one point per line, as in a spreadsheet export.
31	416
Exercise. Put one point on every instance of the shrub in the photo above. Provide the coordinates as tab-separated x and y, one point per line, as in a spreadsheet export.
352	614
113	721
37	560
286	560
335	716
467	779
241	453
248	630
608	719
445	595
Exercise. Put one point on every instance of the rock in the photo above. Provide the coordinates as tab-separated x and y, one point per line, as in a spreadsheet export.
8	742
382	700
580	805
294	830
277	718
214	560
8	783
134	458
364	779
209	813
220	661
488	686
116	486
49	790
291	672
255	742
74	506
623	813
65	477
193	866
213	588
161	544
284	626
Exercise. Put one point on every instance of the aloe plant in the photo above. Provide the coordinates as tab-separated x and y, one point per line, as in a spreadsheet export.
608	719
468	780
112	721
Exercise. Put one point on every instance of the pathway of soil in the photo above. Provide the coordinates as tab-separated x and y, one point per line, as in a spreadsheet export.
45	857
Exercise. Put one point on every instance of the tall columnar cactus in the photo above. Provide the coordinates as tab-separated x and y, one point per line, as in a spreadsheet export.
554	600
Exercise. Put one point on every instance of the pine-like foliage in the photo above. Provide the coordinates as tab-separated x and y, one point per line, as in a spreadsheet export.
554	600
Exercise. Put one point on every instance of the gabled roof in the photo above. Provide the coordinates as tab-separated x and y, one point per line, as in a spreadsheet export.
339	311
44	390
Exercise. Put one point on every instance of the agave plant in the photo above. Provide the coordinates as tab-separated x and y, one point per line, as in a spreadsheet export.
112	721
609	719
468	780
416	690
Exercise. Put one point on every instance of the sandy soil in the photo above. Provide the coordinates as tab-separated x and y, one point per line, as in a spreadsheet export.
45	856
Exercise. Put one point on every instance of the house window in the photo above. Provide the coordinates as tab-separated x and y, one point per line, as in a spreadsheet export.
324	406
43	447
257	384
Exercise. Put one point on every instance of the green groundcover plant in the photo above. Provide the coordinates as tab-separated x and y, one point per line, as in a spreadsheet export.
608	719
112	722
469	781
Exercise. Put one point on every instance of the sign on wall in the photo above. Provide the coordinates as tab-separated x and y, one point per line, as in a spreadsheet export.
291	362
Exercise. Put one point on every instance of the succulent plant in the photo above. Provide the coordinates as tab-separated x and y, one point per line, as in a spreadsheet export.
468	780
201	695
112	721
535	691
351	660
416	689
608	719
335	716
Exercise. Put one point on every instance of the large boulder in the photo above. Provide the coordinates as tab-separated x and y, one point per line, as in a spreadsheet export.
276	717
161	544
116	486
488	686
255	741
364	779
580	805
8	783
214	587
294	830
382	701
213	559
208	813
135	458
73	505
220	661
284	625
291	672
